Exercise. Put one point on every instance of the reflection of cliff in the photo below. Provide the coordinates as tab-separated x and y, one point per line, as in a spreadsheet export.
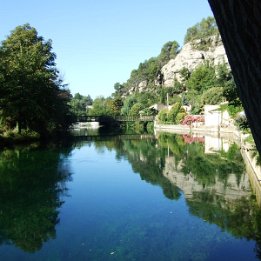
194	171
31	182
232	189
215	185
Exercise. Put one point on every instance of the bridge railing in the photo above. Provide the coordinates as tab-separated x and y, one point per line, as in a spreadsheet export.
134	118
101	118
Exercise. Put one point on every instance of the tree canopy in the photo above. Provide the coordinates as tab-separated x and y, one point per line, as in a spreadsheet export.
32	94
207	27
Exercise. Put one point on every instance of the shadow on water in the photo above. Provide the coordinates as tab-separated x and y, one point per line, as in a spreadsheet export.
32	181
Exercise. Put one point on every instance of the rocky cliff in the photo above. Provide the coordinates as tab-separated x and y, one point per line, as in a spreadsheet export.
191	55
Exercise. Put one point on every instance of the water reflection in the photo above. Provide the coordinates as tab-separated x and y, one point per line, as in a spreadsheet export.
147	159
209	173
32	181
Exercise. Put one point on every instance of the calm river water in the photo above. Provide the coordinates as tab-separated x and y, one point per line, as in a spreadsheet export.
128	198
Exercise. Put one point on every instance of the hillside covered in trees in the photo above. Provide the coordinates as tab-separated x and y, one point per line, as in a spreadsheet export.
194	75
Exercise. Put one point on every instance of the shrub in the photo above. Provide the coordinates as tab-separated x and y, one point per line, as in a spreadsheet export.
189	119
180	117
163	115
173	112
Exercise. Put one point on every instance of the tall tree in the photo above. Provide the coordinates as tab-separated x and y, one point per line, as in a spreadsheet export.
32	94
168	51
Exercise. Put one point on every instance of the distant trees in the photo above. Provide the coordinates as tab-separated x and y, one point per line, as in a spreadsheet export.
32	95
106	106
135	103
119	89
202	78
150	70
207	27
79	104
206	85
168	51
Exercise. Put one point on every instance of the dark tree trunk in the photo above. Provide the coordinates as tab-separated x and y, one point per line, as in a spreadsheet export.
239	23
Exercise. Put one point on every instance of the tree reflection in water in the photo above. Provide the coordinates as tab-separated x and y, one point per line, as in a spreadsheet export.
215	185
32	181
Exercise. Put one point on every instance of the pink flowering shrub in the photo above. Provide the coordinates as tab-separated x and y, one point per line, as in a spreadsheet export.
189	119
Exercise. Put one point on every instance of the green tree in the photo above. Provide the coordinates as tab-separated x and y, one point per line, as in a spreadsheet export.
174	112
163	115
127	104
103	107
119	88
135	109
202	78
79	104
207	27
117	104
213	96
168	51
32	94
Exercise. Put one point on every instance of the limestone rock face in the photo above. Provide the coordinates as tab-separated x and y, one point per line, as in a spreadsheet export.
190	57
142	86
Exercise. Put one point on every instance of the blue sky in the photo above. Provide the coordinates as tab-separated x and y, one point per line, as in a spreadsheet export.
99	42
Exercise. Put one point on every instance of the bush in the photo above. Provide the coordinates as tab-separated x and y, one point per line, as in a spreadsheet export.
189	119
233	110
173	112
180	117
163	115
213	96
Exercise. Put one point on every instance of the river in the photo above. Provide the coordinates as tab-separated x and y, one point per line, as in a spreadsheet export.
174	197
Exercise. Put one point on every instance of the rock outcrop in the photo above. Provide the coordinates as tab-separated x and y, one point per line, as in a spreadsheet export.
191	55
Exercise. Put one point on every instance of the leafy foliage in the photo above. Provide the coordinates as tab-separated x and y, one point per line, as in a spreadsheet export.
32	94
163	115
207	27
149	70
79	104
174	115
202	78
213	96
174	112
168	51
144	100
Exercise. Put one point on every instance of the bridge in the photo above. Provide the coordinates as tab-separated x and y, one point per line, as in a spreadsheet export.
108	119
